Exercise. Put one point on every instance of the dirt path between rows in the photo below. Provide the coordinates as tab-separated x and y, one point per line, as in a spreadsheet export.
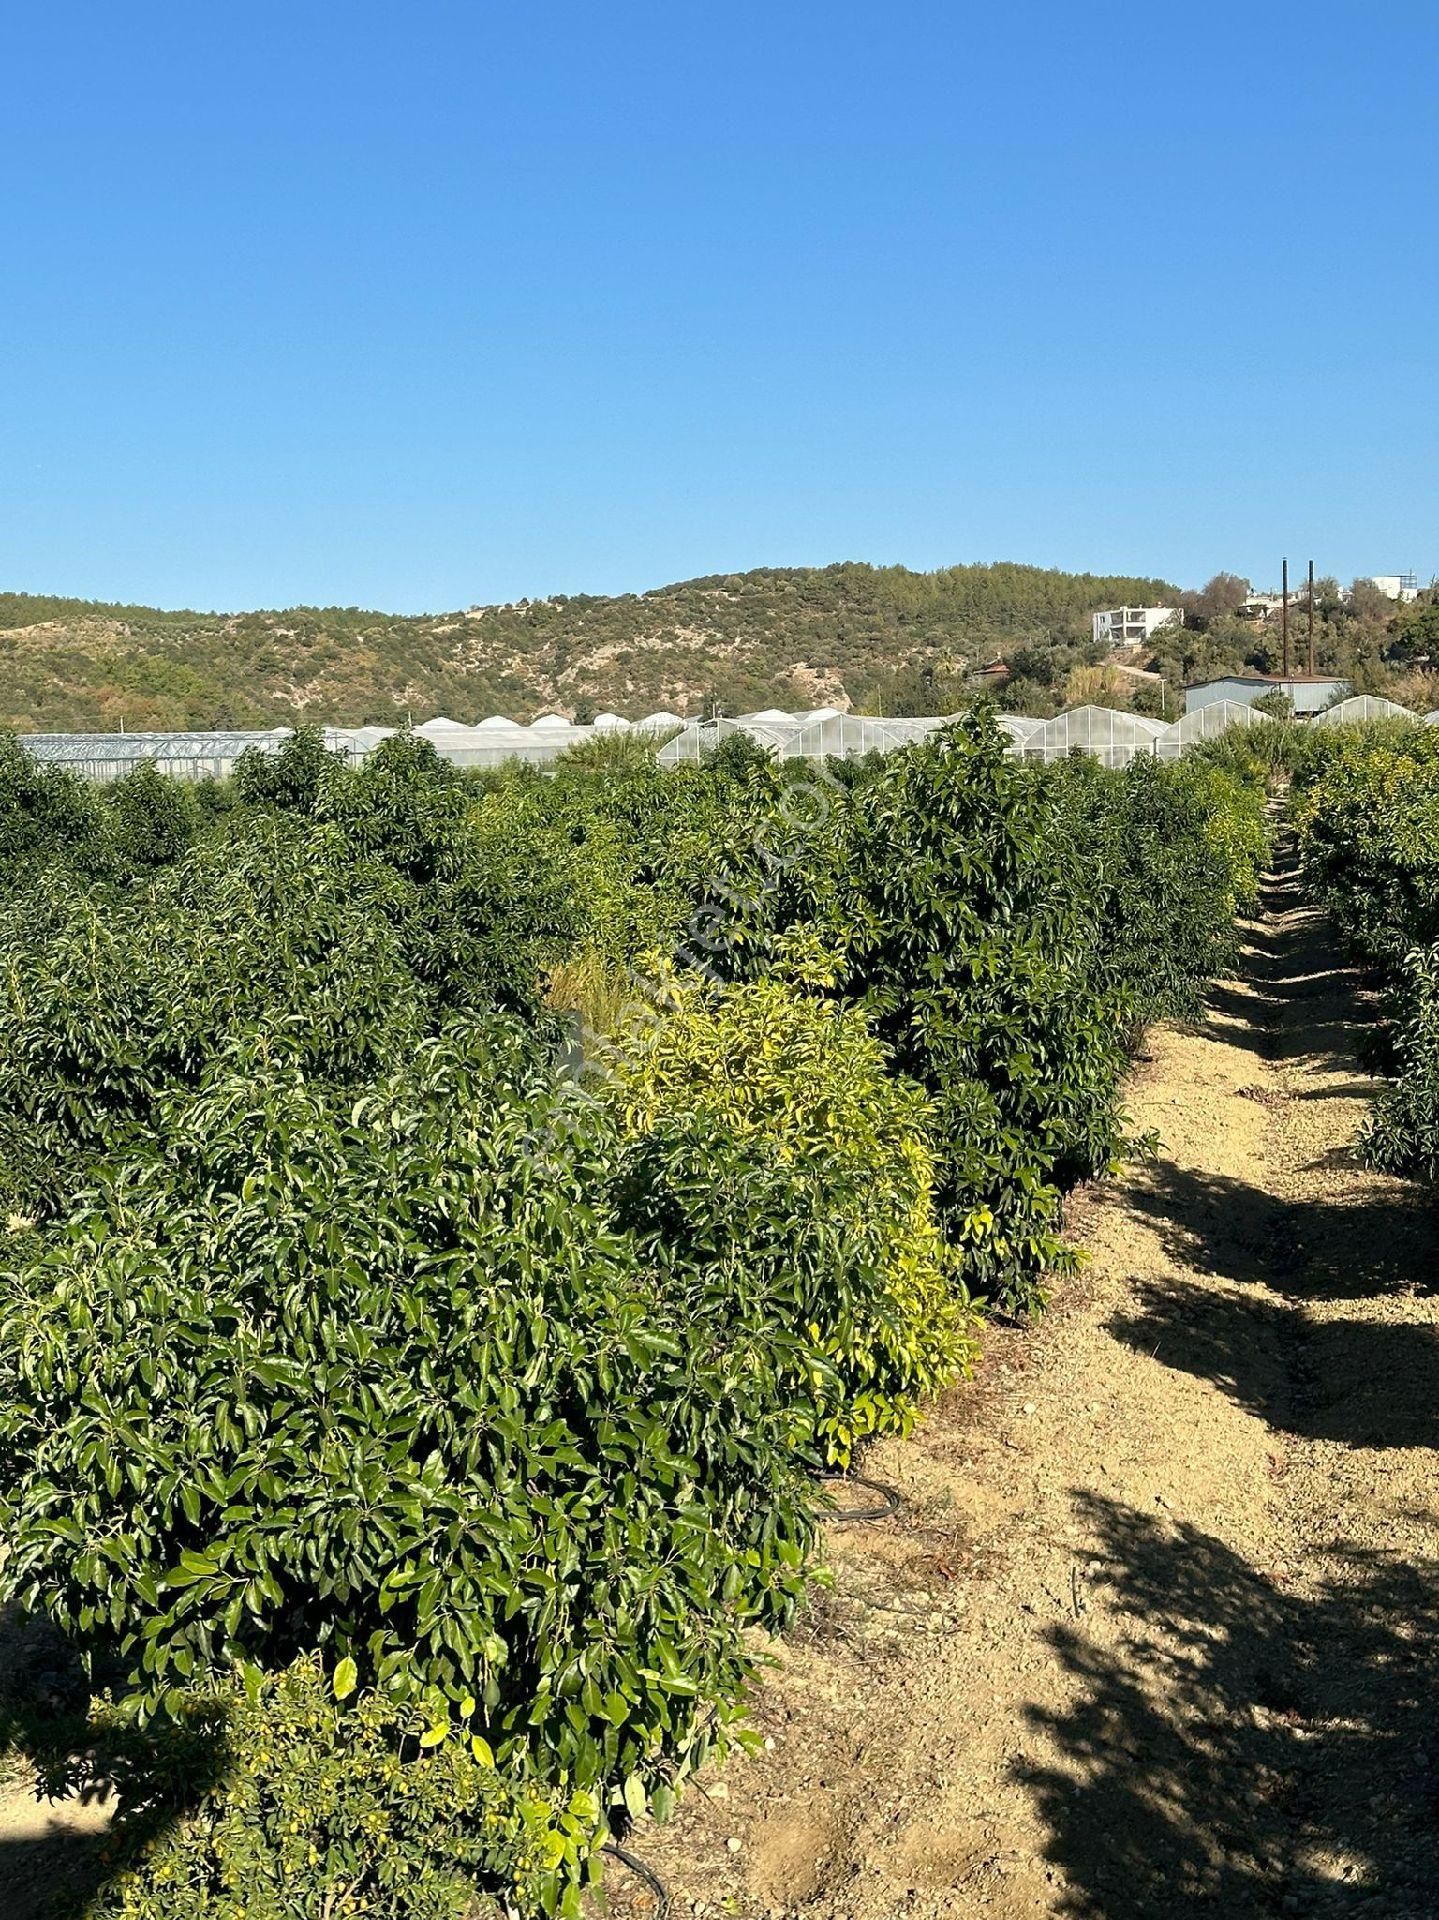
1158	1631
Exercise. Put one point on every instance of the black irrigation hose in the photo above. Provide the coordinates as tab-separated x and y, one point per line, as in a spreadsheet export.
888	1500
646	1875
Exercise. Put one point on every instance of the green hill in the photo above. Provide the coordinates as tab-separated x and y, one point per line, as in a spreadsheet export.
777	636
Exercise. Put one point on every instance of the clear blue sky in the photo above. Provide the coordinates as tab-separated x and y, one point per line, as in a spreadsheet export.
413	305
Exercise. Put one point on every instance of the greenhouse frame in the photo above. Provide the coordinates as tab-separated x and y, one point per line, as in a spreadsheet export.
1358	709
824	733
1206	723
187	756
1114	739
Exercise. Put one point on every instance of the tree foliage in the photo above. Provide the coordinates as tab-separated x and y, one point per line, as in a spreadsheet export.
1368	813
348	1321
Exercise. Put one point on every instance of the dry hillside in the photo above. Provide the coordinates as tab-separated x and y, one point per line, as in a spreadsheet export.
882	638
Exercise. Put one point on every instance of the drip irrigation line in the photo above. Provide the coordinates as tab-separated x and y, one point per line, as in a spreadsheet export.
646	1875
887	1500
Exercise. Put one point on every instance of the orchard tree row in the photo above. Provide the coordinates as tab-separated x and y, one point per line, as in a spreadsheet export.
454	1224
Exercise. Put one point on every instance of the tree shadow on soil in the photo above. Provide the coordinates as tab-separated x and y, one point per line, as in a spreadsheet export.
51	1869
52	1876
1381	1239
1354	1382
56	1871
1294	995
1245	1750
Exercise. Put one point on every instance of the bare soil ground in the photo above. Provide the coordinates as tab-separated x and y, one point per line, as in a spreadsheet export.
1157	1633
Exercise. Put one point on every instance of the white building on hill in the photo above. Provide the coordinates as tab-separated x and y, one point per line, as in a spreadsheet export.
1398	586
1131	626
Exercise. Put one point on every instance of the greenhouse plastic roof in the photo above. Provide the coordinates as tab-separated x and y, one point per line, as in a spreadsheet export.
1360	706
701	737
1113	737
844	736
1206	723
108	756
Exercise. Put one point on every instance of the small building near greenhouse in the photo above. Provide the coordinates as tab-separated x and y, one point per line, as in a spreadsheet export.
1307	693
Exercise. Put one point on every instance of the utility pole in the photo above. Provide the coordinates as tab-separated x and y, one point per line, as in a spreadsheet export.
1284	617
1311	619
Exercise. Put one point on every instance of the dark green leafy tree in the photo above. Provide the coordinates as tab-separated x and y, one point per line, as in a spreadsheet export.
291	779
46	813
385	1376
273	945
349	1335
152	819
986	917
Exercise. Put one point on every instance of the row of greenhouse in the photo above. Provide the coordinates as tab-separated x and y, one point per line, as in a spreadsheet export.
819	733
1113	737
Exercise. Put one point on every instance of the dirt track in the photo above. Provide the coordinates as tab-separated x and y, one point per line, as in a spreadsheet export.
1158	1633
